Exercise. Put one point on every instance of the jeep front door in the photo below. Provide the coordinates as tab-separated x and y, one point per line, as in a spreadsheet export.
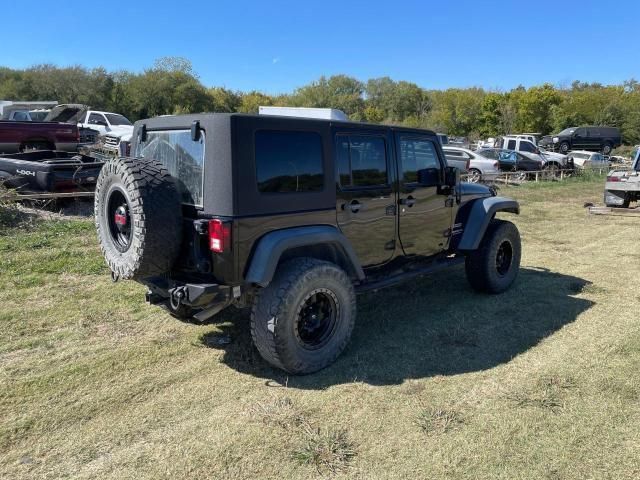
365	206
425	214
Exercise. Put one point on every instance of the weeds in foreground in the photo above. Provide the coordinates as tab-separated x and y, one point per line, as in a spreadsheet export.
327	450
547	394
434	421
280	412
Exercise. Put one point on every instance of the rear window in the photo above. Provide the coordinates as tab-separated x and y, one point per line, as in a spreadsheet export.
288	162
183	157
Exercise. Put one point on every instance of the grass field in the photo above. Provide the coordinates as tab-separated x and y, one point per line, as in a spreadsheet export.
438	382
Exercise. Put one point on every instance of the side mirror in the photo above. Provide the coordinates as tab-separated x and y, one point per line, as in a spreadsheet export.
451	176
195	130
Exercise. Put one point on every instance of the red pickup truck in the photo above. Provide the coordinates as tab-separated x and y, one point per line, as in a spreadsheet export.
21	136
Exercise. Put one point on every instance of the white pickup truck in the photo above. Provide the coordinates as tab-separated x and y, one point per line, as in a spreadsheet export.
623	186
114	129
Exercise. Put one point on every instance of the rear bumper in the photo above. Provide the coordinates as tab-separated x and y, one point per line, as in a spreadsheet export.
195	295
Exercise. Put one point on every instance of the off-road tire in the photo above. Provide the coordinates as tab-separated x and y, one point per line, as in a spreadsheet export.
481	264
274	315
156	217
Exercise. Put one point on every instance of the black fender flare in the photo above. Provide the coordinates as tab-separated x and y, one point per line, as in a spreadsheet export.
273	245
481	214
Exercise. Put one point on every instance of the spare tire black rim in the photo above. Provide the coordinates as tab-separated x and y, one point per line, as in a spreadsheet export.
120	228
504	258
317	319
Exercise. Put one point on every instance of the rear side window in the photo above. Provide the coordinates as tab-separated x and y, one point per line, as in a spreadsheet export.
361	161
183	157
288	162
418	158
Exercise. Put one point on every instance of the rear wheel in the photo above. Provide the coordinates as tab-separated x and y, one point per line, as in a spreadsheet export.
36	145
494	266
474	176
303	320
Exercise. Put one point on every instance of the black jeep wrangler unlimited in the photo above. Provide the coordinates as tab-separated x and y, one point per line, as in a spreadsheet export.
293	217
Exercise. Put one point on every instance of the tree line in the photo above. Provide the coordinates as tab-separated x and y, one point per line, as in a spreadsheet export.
171	86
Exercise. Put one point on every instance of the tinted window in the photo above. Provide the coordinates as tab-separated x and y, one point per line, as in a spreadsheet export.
527	147
288	162
183	157
418	158
21	116
362	161
511	145
97	119
117	119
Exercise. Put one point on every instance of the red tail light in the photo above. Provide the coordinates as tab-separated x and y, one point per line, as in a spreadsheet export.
613	179
219	235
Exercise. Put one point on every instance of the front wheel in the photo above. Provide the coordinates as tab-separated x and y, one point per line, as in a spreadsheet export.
494	266
302	321
606	149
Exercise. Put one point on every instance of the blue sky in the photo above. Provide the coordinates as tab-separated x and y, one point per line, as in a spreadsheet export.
276	46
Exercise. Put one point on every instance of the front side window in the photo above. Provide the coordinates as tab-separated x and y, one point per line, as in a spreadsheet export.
527	147
183	157
419	161
511	145
288	162
97	119
361	161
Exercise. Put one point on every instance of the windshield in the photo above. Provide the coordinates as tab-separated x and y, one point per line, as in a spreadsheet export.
634	157
183	157
117	119
567	131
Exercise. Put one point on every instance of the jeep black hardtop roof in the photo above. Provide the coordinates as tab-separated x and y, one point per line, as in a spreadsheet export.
184	121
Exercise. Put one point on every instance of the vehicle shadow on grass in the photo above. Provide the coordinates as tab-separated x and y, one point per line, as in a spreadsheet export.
432	326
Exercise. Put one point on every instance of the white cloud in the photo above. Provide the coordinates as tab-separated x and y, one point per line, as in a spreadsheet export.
275	60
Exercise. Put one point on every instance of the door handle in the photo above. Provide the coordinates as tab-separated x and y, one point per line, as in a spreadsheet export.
354	206
409	201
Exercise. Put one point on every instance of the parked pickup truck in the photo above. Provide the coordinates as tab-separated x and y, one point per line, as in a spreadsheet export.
49	171
623	186
20	136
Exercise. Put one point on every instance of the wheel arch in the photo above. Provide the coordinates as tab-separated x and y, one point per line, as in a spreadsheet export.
322	242
480	215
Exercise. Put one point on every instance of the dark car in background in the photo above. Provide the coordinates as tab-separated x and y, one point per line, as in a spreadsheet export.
590	138
511	160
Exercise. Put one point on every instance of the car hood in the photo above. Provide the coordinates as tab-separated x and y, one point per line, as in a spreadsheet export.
68	113
123	132
476	189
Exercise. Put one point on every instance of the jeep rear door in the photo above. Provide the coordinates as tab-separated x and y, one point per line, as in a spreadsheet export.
365	200
425	214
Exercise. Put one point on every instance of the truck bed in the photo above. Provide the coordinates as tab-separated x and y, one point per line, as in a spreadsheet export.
49	171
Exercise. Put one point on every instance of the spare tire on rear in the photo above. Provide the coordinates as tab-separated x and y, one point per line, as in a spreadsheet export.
138	216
